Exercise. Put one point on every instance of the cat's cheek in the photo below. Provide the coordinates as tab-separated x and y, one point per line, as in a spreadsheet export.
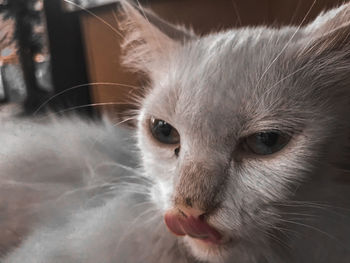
162	176
158	164
161	193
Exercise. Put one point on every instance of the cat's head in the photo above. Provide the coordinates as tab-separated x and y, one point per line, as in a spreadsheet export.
233	123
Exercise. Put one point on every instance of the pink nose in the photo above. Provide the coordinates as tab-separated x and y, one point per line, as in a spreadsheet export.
191	222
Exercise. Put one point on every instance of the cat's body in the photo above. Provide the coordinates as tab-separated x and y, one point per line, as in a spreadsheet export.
63	173
219	177
71	160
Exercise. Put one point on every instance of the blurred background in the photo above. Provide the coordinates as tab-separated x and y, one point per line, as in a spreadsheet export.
64	55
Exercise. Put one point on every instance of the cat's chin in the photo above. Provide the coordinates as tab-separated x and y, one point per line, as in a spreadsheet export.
208	251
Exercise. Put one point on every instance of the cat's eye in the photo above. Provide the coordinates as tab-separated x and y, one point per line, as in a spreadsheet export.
267	142
164	132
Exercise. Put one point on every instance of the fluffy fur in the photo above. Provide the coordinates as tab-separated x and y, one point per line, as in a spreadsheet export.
291	206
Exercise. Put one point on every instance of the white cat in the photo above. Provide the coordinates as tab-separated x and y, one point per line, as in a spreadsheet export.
244	143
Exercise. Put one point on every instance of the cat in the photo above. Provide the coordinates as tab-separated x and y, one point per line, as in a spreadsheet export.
241	154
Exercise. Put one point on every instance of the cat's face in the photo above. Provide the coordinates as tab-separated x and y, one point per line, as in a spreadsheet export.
232	125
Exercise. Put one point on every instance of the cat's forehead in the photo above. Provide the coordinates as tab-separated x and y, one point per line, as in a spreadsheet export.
220	76
242	54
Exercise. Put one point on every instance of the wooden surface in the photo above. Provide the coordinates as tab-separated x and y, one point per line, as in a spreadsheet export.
102	43
110	82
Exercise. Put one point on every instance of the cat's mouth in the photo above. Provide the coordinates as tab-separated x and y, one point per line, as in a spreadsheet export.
193	227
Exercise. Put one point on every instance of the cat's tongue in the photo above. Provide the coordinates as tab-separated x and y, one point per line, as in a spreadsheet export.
191	226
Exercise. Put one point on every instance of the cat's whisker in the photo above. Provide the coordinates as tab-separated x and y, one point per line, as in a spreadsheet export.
143	180
115	184
315	214
114	189
138	178
280	215
264	225
294	222
302	218
235	7
114	29
132	224
119	165
123	183
153	209
311	216
130	115
82	107
124	167
120	120
318	205
285	231
153	218
295	13
274	238
86	189
80	86
270	89
139	6
123	121
275	225
117	32
142	204
95	140
133	112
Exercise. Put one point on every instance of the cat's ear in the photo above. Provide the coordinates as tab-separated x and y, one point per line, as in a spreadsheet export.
147	37
329	32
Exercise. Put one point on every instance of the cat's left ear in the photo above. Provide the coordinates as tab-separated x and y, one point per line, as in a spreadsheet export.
147	37
329	32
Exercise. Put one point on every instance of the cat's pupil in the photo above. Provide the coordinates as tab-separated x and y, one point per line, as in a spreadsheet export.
269	139
164	132
161	127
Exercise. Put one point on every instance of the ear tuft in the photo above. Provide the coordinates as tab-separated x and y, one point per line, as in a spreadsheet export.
329	32
325	18
147	37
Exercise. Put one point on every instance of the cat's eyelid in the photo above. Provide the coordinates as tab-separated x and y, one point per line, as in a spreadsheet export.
148	117
284	129
276	130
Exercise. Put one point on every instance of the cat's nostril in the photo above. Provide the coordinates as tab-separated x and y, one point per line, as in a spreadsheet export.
177	150
191	212
202	217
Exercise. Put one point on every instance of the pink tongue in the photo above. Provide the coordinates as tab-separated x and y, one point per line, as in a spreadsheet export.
191	226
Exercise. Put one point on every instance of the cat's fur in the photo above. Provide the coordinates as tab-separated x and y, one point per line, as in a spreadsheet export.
292	206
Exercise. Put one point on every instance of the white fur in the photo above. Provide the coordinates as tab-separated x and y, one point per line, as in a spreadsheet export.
289	206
